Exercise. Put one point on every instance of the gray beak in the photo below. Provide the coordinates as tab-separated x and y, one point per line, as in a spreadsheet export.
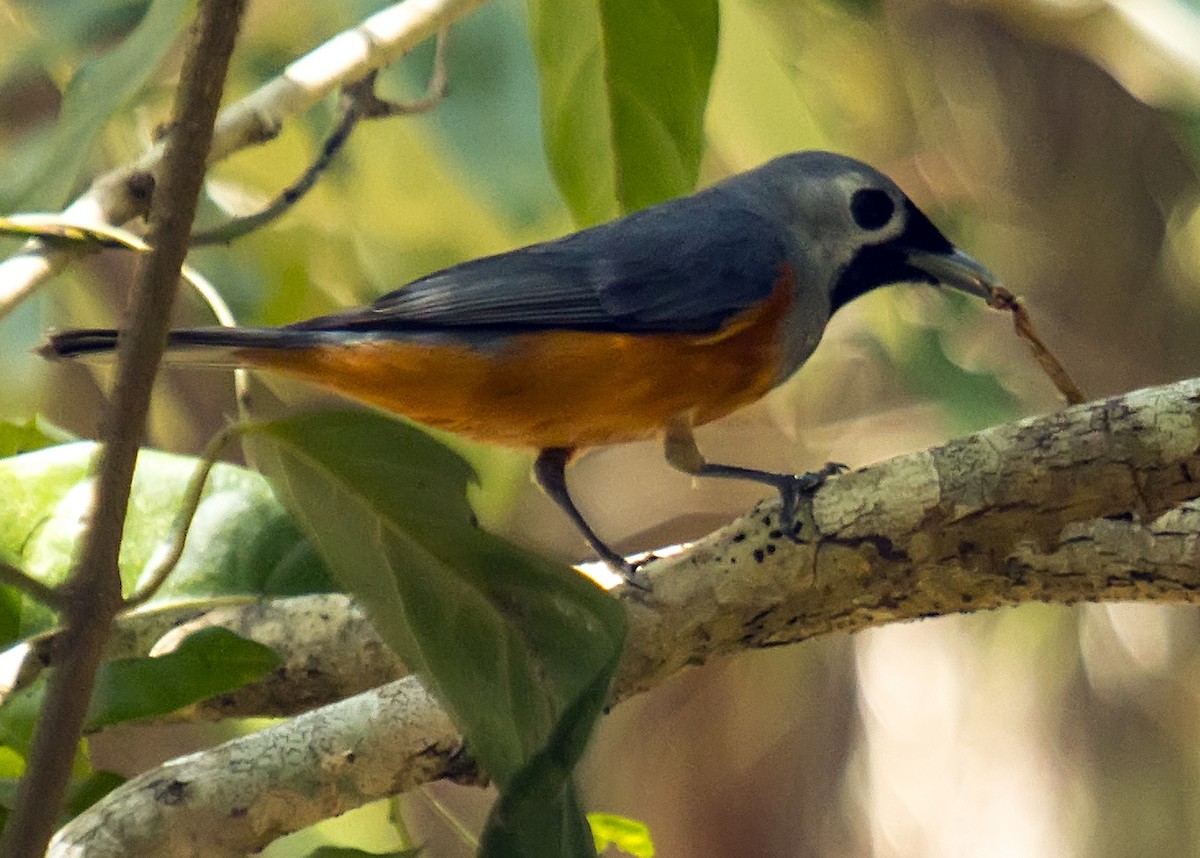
956	270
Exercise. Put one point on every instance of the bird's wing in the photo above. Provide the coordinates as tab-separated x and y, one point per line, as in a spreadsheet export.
688	266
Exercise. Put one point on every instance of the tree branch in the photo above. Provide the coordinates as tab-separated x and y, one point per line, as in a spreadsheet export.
92	595
122	194
358	102
11	576
1095	503
256	788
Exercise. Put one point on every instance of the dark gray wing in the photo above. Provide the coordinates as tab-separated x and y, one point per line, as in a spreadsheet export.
686	265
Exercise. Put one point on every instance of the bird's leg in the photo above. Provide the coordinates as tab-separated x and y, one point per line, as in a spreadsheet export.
679	446
550	471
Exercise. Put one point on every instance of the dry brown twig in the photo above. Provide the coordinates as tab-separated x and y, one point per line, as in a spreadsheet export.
1002	299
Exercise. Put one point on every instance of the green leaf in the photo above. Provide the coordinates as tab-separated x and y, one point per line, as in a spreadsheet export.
624	85
242	541
626	834
532	820
206	663
18	715
98	90
12	764
519	650
34	434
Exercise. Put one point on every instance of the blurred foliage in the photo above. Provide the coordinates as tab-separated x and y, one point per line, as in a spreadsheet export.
33	434
484	130
1060	149
97	90
241	542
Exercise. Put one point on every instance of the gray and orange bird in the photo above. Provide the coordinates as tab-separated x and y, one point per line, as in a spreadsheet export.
647	326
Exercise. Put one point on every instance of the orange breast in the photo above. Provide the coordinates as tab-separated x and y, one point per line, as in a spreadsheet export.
553	388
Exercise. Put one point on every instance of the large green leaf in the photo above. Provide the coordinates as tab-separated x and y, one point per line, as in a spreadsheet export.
97	91
242	542
518	649
624	84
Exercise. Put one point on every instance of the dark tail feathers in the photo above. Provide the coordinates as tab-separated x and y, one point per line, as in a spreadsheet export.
65	345
201	345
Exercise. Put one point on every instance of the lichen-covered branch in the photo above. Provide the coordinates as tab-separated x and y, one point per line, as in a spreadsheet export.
1095	503
240	796
956	528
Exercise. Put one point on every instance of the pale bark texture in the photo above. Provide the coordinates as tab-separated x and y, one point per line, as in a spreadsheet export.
1094	503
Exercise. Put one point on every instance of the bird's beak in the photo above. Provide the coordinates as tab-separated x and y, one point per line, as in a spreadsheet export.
955	269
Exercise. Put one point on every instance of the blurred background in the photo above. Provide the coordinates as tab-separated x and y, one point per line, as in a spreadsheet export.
1056	140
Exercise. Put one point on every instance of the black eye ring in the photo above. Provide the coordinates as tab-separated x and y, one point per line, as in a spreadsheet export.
871	208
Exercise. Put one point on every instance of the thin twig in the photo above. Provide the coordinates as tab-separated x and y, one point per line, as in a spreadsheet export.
121	194
156	574
11	576
358	102
438	87
92	594
1002	299
452	822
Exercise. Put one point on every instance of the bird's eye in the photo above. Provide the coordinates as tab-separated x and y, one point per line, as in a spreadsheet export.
871	208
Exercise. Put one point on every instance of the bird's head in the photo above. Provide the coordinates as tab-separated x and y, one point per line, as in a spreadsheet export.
855	226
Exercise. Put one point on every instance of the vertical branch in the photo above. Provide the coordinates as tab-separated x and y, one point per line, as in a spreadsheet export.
92	595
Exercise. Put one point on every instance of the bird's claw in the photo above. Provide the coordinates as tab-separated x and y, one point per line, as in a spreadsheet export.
794	486
631	572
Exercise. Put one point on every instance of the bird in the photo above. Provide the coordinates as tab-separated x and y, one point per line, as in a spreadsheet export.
647	326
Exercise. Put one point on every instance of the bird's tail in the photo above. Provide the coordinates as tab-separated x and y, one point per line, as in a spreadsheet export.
197	346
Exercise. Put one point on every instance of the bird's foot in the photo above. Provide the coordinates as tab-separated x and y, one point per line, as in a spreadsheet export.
631	572
793	487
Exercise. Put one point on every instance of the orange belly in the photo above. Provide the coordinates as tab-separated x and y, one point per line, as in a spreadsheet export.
553	388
